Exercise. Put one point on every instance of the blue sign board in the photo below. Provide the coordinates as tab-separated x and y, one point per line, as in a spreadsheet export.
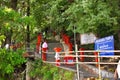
106	43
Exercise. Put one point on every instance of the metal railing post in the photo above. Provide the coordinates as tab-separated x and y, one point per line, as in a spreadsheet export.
99	66
77	65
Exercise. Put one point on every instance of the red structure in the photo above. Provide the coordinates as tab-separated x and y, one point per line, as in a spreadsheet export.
81	53
96	58
66	39
57	56
44	54
39	38
69	59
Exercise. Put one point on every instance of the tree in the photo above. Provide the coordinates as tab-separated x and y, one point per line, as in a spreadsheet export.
13	21
98	16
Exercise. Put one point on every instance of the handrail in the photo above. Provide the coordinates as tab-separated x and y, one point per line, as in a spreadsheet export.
87	51
84	62
88	55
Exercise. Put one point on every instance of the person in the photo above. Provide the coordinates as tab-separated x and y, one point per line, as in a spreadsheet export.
45	45
117	72
44	49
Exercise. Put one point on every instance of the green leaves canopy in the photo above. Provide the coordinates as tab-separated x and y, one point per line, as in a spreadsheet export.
12	20
86	15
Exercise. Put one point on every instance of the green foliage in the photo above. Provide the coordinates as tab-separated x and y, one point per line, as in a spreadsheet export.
41	13
36	65
49	72
86	15
2	38
12	20
67	76
9	60
57	18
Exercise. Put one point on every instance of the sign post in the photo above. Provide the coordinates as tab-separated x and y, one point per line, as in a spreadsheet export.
106	43
87	38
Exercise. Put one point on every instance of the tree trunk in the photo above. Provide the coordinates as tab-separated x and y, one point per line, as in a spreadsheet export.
119	35
28	65
28	28
28	42
13	5
8	37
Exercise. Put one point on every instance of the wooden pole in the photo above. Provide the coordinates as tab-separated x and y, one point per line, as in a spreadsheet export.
99	66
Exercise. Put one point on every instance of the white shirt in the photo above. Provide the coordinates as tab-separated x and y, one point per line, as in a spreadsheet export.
57	56
44	45
118	69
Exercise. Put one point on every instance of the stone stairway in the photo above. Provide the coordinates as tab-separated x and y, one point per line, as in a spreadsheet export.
50	56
